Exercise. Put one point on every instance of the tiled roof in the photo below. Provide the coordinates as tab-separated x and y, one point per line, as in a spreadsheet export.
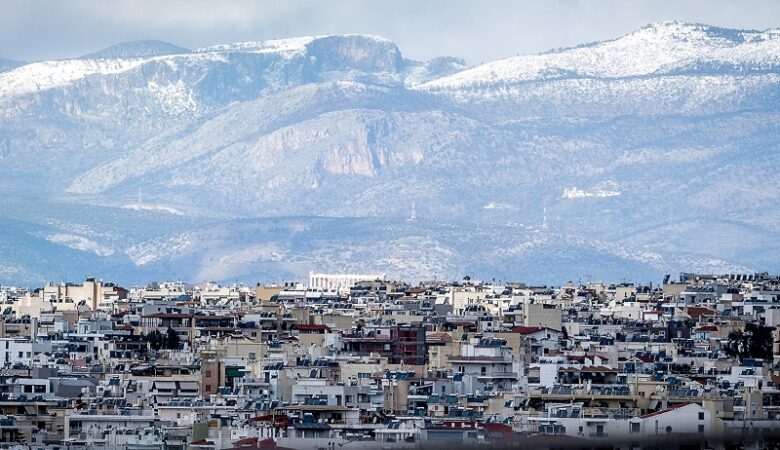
664	411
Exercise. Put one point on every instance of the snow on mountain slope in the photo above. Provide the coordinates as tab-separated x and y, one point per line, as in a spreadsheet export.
100	107
364	52
419	73
45	75
245	120
314	166
653	50
296	44
311	55
647	154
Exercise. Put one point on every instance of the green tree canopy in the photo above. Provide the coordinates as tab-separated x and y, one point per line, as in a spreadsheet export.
755	341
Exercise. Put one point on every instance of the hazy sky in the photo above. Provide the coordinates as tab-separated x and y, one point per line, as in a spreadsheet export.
478	31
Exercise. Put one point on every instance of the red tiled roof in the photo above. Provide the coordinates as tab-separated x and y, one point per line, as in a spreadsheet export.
706	328
530	330
697	311
310	327
526	330
645	358
664	411
496	427
439	336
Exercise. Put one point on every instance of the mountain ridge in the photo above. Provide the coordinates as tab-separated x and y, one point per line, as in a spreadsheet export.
272	158
137	49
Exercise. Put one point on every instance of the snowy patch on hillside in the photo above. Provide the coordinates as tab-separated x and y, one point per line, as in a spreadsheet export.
499	206
575	192
713	265
44	75
160	248
80	243
151	207
175	98
658	48
273	45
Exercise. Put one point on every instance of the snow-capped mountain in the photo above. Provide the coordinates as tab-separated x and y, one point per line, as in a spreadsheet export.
659	49
647	154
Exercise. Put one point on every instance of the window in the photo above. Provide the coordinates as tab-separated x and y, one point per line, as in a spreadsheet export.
208	374
668	429
635	427
208	387
701	416
483	370
701	428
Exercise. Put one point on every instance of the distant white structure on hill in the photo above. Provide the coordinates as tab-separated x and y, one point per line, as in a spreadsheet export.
338	282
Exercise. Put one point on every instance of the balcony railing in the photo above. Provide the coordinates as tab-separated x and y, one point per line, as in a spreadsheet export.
479	358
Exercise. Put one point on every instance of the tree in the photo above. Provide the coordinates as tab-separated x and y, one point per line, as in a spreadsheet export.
155	340
564	339
755	341
172	341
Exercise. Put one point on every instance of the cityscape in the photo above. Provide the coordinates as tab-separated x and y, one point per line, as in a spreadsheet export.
360	361
389	224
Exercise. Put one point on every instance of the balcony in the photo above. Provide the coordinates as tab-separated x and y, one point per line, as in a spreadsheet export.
478	359
498	376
